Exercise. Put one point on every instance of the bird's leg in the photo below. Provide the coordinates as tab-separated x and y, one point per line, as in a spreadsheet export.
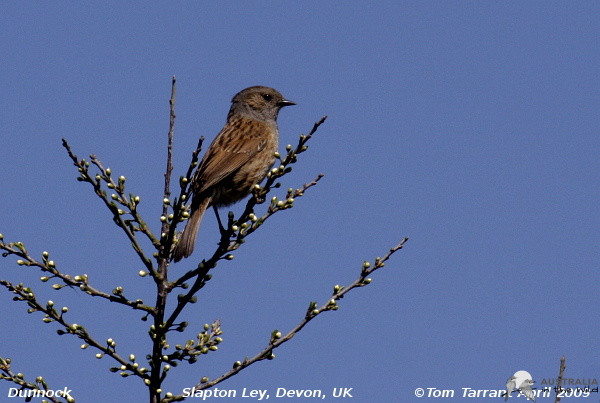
221	228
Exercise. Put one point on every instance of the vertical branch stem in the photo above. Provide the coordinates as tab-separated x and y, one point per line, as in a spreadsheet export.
158	334
167	193
561	375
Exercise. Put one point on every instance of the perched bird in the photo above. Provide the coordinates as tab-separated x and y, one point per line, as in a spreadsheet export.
237	159
511	384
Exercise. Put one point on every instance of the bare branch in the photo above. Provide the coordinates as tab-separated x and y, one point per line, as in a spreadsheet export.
276	338
129	202
37	388
26	294
80	281
560	378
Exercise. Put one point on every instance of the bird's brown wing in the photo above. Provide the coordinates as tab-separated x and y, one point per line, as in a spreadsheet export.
235	145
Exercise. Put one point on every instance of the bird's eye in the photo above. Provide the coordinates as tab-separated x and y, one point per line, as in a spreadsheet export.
267	97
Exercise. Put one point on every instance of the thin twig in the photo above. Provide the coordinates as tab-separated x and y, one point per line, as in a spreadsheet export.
95	181
169	171
277	340
52	315
40	384
79	281
560	378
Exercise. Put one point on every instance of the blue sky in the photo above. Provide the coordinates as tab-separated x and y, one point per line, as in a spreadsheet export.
470	127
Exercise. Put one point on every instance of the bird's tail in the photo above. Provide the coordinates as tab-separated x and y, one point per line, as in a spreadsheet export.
187	239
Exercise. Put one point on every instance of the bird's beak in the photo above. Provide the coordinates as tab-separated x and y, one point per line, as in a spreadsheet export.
285	102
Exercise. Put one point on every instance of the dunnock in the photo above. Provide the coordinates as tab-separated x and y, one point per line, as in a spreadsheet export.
237	159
